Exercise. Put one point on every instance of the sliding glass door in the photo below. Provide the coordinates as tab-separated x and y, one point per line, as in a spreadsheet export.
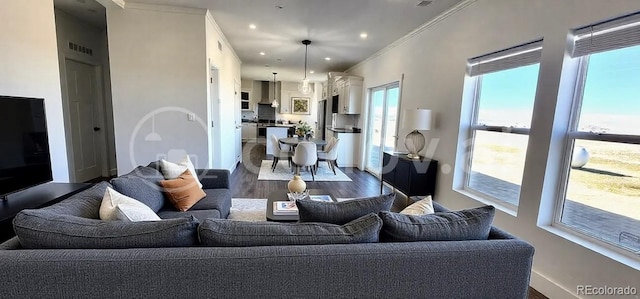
382	124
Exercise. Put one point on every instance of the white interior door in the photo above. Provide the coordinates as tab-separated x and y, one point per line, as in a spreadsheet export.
238	121
83	99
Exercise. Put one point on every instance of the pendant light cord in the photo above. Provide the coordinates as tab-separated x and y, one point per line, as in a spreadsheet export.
306	49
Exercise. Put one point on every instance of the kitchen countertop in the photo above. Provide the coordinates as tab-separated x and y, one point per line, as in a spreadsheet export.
343	130
280	126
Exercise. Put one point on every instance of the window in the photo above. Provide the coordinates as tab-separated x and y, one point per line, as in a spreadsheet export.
601	188
505	88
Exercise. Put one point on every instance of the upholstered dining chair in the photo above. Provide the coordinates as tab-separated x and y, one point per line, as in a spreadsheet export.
278	153
330	154
305	155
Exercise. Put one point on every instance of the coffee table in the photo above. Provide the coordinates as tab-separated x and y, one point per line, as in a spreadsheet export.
281	195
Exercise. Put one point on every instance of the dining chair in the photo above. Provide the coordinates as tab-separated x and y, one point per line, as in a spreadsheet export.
305	155
278	153
330	154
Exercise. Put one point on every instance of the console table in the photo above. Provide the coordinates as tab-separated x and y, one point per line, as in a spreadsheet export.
413	177
33	198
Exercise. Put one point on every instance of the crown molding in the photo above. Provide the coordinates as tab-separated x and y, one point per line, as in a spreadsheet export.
460	6
222	36
164	8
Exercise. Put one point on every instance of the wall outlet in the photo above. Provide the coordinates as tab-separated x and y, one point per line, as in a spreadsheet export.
191	117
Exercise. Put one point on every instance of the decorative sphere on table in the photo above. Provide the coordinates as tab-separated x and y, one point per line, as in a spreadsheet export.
297	184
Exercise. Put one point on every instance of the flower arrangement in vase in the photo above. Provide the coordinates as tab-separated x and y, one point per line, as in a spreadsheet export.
303	129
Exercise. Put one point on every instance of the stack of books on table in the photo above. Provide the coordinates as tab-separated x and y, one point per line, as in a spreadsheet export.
285	208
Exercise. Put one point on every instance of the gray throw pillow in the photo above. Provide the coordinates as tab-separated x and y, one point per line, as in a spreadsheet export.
471	224
142	190
40	229
345	211
229	233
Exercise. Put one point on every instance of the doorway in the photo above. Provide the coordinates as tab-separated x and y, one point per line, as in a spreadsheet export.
382	125
322	115
215	148
83	102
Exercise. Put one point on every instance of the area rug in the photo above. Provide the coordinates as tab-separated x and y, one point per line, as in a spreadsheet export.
251	209
283	173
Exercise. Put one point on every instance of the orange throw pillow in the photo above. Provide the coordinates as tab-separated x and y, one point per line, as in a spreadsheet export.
183	192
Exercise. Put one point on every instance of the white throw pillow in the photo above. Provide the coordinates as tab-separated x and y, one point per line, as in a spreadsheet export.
172	170
116	206
420	207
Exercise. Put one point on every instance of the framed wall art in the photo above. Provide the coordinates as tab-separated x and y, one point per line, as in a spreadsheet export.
300	105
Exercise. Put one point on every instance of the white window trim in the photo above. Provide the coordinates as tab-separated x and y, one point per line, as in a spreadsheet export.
501	204
576	235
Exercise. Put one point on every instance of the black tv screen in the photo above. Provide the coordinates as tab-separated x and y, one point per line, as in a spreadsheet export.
24	145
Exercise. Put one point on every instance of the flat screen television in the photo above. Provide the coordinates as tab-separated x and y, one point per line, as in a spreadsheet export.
24	145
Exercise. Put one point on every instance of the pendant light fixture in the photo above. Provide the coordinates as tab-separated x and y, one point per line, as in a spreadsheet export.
274	104
304	86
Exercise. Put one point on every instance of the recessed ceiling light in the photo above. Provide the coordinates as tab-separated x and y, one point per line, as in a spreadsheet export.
312	72
363	35
263	53
327	58
252	26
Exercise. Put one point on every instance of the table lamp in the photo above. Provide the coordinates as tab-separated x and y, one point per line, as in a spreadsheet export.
416	119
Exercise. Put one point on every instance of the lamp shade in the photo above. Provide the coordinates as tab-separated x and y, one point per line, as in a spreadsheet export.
416	119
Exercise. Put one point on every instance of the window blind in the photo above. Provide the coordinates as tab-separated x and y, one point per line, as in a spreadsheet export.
605	36
517	56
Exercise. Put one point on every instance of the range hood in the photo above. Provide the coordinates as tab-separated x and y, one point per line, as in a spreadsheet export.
268	92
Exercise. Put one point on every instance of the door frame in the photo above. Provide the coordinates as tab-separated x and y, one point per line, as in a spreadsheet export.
215	147
385	88
101	104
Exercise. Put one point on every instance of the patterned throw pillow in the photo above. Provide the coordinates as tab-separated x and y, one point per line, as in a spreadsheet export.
116	206
420	207
342	212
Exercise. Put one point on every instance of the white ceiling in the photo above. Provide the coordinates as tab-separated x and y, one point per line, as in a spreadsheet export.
333	26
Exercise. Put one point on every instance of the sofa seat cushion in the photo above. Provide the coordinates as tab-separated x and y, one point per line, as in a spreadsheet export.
215	199
229	233
199	214
39	229
342	212
471	224
140	189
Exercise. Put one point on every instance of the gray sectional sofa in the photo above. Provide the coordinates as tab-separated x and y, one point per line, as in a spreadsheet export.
170	261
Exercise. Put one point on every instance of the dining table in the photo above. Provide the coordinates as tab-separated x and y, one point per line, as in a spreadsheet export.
293	141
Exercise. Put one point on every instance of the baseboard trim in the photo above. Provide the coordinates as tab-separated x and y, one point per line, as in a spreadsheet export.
549	288
113	172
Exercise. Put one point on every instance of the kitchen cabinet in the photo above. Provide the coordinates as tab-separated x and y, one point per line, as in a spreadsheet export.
349	95
285	102
348	148
249	131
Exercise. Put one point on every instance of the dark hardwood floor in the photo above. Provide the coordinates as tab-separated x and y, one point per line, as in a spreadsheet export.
245	184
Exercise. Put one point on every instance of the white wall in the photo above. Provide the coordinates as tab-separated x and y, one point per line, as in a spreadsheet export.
226	111
29	64
289	90
434	62
158	72
71	29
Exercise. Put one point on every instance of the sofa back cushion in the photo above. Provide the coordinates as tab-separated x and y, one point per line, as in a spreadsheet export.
228	233
39	229
342	212
140	189
471	224
85	204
